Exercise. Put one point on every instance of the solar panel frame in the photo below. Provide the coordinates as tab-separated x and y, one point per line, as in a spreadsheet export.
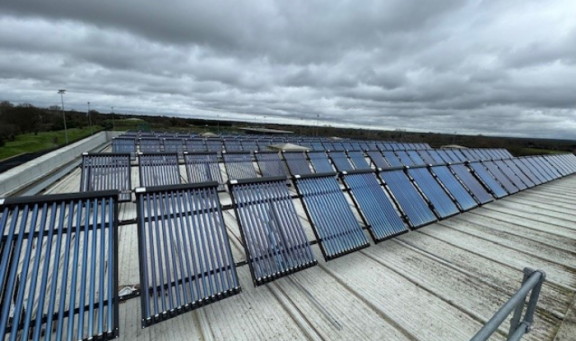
239	165
459	155
551	171
158	169
392	159
213	145
558	164
250	146
500	177
257	202
377	159
150	145
453	186
442	203
357	159
336	229
184	251
203	167
526	171
376	206
340	161
415	208
92	219
476	188
297	163
195	145
270	164
106	171
426	157
415	157
233	146
122	145
317	146
519	172
482	153
338	146
436	156
482	174
405	158
320	162
174	145
533	170
511	175
452	155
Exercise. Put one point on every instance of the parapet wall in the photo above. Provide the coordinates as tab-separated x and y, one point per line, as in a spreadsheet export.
27	173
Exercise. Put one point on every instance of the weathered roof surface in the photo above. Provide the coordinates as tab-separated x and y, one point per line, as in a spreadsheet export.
441	282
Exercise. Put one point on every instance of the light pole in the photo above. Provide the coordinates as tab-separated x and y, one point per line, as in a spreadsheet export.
113	125
90	119
218	118
317	122
62	92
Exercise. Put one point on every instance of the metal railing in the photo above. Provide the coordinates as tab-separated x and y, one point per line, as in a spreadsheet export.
532	281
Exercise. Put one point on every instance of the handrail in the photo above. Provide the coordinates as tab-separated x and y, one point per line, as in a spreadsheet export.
532	281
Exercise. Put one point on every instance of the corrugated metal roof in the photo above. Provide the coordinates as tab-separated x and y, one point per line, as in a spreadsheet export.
441	282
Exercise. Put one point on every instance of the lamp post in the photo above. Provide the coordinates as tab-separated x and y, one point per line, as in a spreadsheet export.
113	125
90	120
62	92
317	122
218	118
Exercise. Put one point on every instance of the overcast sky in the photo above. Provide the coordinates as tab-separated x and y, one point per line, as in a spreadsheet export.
492	67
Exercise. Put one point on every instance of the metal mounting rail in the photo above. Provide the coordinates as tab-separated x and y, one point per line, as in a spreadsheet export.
532	281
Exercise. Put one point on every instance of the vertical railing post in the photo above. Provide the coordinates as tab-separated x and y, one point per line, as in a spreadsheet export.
515	320
531	283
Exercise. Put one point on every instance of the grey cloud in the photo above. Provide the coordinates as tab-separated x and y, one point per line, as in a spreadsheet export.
490	67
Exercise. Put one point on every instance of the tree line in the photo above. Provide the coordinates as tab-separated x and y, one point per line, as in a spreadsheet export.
25	118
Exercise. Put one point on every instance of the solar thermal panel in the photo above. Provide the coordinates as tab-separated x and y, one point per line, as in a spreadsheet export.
196	145
239	165
203	167
184	251
474	186
454	187
106	171
519	172
340	161
297	163
415	157
377	159
124	145
489	181
336	228
174	146
274	239
440	200
158	169
59	267
510	174
358	160
392	159
320	162
270	164
500	176
375	205
150	145
405	158
410	201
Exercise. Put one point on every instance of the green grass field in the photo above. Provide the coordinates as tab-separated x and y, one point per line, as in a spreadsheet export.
28	143
536	151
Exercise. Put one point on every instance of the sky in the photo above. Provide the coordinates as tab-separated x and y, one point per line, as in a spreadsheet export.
496	67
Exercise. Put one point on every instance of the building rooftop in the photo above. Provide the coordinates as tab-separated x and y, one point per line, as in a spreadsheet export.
440	282
443	281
